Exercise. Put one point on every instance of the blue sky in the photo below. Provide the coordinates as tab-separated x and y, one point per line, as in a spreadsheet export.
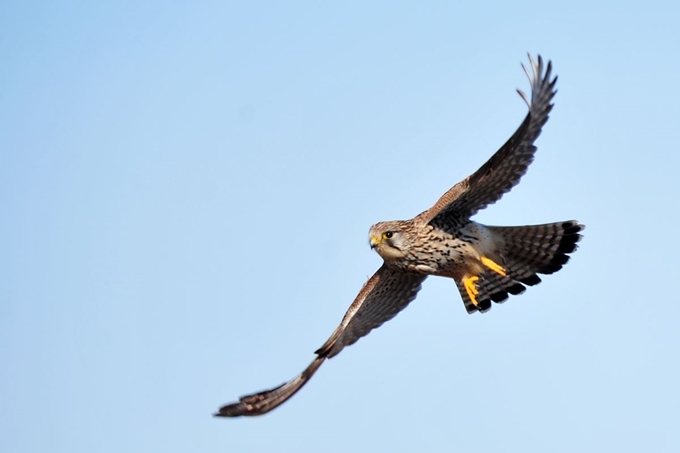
187	188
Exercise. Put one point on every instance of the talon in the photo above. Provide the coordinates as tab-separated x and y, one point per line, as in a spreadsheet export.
471	288
494	266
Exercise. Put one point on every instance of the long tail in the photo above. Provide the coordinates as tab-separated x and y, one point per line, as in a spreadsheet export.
526	252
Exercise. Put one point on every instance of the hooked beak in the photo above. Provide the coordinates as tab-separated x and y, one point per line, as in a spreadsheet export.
374	242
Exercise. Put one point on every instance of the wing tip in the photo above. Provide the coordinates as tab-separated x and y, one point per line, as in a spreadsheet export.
540	76
262	402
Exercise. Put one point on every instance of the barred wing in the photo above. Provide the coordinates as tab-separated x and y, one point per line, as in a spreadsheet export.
382	297
505	168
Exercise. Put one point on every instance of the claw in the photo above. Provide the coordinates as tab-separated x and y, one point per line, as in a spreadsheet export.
494	266
471	288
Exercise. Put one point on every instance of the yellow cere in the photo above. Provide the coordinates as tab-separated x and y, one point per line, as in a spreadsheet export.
497	268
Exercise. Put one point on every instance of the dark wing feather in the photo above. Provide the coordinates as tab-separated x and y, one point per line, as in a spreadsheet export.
505	168
382	297
262	402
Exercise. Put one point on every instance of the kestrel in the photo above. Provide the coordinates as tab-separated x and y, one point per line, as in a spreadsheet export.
486	262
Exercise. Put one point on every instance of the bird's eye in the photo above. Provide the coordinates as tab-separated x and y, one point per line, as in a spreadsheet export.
388	235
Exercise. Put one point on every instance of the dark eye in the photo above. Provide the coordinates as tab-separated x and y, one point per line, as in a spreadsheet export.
388	235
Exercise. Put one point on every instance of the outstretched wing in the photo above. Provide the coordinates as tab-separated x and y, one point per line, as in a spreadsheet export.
505	168
262	402
382	297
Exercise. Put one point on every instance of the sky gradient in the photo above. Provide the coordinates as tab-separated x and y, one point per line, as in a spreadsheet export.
187	188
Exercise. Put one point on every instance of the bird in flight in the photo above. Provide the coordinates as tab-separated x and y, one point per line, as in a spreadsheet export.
487	262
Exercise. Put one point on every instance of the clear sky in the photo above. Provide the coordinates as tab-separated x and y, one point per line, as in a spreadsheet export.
186	190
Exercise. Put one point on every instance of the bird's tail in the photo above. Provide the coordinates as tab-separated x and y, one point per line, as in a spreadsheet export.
525	252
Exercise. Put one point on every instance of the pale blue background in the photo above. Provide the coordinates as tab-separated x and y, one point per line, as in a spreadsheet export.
186	190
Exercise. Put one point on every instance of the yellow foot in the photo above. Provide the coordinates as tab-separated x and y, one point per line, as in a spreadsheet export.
471	288
494	266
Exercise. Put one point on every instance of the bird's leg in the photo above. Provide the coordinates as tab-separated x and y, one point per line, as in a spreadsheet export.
471	288
494	266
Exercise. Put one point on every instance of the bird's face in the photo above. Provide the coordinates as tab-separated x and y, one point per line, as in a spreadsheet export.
390	239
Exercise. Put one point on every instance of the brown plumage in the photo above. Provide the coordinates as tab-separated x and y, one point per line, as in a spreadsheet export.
488	263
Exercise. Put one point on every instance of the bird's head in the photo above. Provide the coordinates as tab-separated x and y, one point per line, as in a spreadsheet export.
390	239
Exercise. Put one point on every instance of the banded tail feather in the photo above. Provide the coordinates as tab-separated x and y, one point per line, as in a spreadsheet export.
526	251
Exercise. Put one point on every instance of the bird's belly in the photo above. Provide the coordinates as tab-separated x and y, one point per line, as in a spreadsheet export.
448	258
